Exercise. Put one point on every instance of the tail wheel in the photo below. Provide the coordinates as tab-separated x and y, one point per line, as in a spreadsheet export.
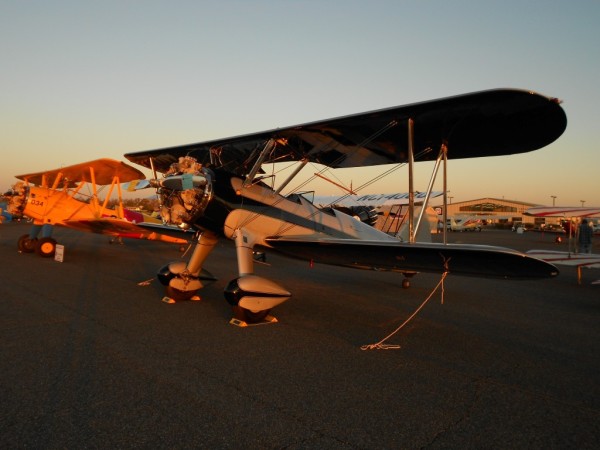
26	244
406	280
46	247
248	316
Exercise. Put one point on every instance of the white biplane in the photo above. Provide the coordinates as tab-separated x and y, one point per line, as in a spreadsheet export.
218	187
572	257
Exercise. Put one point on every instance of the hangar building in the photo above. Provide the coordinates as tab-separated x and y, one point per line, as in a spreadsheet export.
499	211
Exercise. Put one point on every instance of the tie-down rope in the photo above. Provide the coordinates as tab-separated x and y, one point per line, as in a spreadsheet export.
380	345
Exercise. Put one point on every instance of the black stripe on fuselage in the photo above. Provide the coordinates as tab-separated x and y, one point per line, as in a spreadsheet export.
225	200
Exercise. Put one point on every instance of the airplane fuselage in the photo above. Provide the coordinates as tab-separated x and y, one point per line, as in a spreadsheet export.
260	211
50	206
265	214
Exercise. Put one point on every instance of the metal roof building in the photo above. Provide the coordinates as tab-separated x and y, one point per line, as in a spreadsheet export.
495	209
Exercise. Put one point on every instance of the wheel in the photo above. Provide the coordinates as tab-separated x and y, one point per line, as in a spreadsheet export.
250	316
26	245
46	247
178	295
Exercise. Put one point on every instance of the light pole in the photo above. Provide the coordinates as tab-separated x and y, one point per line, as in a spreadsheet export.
582	202
553	200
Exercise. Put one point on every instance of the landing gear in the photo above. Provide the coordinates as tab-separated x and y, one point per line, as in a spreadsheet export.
26	244
406	280
245	315
252	297
183	281
179	296
46	247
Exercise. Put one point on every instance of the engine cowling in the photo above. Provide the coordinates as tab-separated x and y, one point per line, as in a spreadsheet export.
185	192
17	199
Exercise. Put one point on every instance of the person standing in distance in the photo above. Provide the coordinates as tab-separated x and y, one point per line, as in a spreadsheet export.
585	237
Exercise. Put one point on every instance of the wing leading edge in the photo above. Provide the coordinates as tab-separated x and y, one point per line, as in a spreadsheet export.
488	123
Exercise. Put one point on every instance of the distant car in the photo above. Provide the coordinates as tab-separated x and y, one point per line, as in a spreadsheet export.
524	226
553	228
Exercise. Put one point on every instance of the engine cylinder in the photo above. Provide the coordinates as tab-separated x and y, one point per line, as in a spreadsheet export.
185	192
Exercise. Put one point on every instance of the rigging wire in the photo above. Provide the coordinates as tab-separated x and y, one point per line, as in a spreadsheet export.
360	145
343	197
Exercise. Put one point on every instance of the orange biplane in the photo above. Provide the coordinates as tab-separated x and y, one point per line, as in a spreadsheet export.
56	197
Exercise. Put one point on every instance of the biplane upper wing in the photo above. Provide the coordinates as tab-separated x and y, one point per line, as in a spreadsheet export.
487	123
104	171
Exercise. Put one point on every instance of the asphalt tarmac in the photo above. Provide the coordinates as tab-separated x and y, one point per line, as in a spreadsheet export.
91	359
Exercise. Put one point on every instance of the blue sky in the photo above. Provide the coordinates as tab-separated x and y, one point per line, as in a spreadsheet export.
83	80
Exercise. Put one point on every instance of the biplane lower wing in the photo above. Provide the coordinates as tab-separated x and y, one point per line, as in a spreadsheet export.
122	228
460	259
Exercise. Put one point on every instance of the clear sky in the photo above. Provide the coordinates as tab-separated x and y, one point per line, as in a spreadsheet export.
82	79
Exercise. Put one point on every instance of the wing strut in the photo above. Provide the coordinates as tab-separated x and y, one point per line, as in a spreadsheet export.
445	213
430	186
303	163
94	190
156	189
269	146
411	189
59	176
442	156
